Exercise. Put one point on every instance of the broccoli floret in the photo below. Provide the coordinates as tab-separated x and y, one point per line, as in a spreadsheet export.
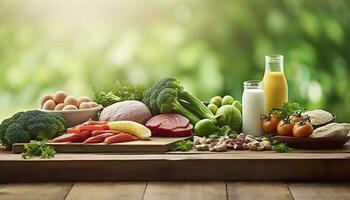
166	97
6	123
35	125
41	125
15	134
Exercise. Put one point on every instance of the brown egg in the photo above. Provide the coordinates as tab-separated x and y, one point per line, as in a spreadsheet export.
84	105
70	107
93	104
59	97
44	99
59	106
71	101
49	105
83	99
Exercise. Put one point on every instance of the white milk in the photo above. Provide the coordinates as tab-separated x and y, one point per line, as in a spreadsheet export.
253	102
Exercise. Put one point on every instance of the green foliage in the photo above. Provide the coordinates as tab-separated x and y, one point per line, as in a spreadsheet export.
280	147
118	92
211	47
288	109
184	145
38	148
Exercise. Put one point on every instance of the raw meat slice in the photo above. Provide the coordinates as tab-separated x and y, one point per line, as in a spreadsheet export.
153	122
168	121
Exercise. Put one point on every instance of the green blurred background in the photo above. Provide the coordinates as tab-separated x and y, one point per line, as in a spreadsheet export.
211	46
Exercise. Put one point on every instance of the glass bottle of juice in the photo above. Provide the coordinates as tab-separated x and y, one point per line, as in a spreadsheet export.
275	83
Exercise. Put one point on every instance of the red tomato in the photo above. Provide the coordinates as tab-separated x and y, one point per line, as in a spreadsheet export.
270	124
285	128
302	130
296	118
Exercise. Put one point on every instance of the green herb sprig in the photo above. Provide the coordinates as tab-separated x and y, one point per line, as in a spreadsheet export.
280	147
184	145
38	148
224	131
288	109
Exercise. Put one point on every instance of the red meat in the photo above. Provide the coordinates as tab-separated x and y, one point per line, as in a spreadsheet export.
168	121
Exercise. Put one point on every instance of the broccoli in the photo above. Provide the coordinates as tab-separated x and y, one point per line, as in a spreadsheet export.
168	96
30	125
41	125
6	123
14	134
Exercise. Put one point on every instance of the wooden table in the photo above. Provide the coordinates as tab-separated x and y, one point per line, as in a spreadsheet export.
218	190
300	174
298	165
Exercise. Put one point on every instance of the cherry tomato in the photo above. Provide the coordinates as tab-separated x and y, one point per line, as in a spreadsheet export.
270	124
285	128
296	118
302	130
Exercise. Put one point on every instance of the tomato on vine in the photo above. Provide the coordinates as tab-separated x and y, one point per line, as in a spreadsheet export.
269	123
303	128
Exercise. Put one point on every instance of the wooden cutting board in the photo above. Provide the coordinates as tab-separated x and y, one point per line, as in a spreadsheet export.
155	144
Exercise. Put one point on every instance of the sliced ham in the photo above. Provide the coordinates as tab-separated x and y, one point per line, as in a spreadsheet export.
168	121
154	122
169	125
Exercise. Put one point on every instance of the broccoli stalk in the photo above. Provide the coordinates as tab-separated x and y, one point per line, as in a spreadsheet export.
167	95
168	103
199	107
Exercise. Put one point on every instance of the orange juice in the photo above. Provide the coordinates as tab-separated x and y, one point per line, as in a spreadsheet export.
275	83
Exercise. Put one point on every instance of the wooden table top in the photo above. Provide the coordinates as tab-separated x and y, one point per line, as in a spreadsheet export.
218	190
298	165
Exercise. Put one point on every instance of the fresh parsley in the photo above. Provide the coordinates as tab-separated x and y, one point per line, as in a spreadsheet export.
38	148
280	147
184	145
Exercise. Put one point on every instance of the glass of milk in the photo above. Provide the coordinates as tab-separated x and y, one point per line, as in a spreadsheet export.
253	105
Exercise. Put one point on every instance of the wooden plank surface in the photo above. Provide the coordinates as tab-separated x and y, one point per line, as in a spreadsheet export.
240	155
320	191
175	190
34	191
156	144
185	190
107	190
261	166
258	190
